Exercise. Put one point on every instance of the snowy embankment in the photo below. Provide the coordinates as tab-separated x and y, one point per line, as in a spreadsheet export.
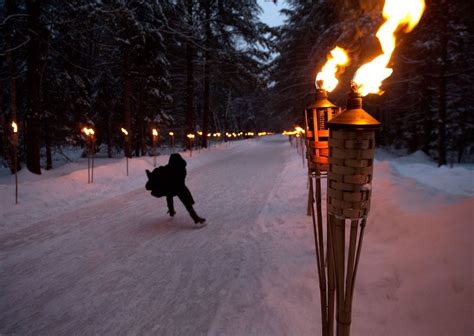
416	269
106	259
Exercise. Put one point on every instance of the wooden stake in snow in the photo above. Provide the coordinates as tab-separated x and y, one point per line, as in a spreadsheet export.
351	156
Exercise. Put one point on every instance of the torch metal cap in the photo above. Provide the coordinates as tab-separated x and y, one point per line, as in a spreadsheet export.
321	100
354	116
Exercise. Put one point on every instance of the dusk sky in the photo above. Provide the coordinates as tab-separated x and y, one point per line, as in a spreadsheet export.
271	15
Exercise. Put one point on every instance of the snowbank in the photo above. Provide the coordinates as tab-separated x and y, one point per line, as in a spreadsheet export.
458	180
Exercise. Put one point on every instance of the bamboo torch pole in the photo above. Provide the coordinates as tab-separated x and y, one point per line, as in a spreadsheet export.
125	133
92	141
351	154
15	157
171	134
191	137
155	139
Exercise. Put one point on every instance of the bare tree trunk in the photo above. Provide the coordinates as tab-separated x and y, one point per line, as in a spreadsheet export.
189	79
47	139
205	122
34	94
442	97
141	123
11	9
127	89
226	115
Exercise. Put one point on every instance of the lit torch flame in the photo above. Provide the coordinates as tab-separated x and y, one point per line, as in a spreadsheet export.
190	136
155	132
397	14
124	131
88	131
326	78
15	127
171	133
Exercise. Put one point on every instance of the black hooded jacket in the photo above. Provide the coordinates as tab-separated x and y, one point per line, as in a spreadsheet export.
169	180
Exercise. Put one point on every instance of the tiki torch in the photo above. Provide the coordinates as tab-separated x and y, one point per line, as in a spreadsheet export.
155	140
351	157
171	134
15	163
125	134
317	115
299	136
191	137
90	151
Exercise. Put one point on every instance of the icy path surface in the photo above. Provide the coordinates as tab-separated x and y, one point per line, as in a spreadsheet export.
121	266
124	267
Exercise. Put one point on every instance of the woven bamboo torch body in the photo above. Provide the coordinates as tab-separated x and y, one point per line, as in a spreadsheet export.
317	116
351	154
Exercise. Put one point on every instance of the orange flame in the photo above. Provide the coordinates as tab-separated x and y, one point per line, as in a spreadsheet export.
155	132
15	127
326	78
88	131
190	136
171	133
397	14
124	131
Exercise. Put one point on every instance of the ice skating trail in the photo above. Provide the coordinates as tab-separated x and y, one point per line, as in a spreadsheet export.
123	267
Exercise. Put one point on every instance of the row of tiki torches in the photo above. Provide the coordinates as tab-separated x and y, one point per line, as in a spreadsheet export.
340	147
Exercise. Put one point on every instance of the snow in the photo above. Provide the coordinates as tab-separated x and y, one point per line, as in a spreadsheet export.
418	166
106	259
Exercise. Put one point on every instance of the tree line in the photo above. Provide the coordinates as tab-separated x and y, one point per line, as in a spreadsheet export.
428	100
181	65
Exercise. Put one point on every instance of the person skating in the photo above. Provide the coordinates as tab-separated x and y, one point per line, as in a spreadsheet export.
169	181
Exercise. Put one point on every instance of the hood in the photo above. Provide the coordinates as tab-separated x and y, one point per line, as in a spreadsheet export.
176	161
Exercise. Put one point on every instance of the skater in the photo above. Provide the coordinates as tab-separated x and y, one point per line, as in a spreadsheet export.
169	181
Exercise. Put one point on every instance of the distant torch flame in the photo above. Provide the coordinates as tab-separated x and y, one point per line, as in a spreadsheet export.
124	131
88	131
190	136
299	130
326	79
398	14
155	132
171	133
15	127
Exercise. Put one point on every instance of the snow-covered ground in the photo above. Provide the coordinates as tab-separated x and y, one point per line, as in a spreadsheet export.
105	259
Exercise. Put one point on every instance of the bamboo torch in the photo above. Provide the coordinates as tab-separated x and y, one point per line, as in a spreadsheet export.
317	115
89	133
155	140
351	157
171	134
191	137
92	144
125	134
15	163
